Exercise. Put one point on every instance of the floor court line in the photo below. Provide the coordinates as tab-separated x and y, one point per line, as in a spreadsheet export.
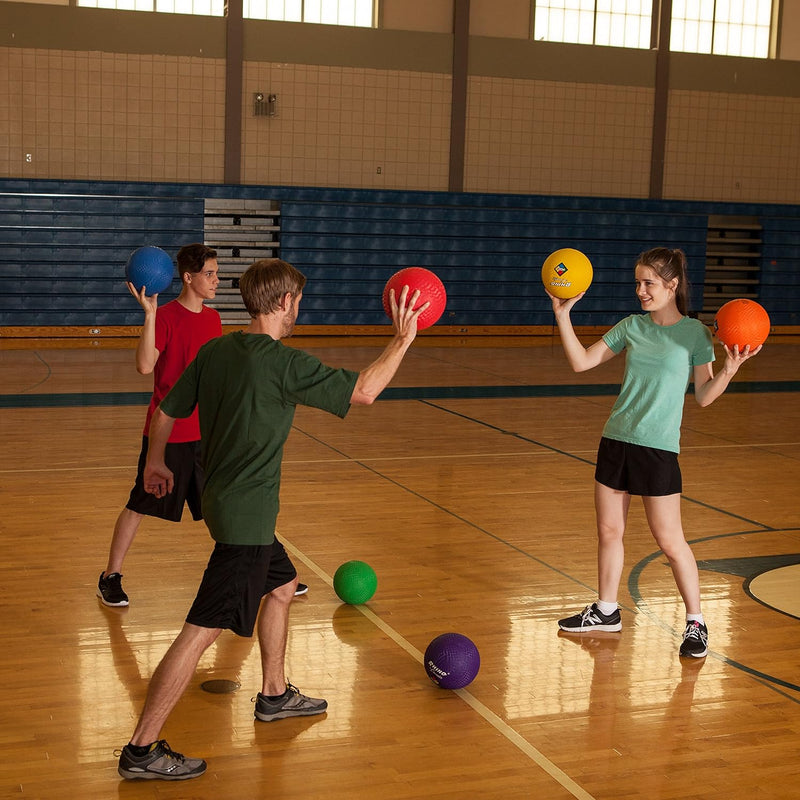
502	727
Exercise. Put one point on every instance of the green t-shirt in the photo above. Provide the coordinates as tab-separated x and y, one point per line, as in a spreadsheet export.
247	387
659	361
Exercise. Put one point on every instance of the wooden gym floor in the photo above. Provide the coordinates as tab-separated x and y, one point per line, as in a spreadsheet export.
469	490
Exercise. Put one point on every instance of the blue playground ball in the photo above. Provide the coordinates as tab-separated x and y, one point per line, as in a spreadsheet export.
452	661
151	267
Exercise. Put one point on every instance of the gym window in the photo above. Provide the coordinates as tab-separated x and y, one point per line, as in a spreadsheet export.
210	8
352	13
718	27
722	27
618	23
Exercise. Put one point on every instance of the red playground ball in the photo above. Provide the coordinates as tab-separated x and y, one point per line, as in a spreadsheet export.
150	267
431	289
452	661
742	322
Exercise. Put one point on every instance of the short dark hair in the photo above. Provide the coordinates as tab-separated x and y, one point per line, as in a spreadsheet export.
193	257
264	284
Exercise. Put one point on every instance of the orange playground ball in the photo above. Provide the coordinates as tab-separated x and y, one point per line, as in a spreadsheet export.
742	322
567	272
431	289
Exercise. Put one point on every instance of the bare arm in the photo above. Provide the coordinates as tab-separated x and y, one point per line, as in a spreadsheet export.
580	358
708	386
375	378
158	478
146	353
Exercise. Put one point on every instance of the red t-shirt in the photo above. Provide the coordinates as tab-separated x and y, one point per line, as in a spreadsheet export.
180	333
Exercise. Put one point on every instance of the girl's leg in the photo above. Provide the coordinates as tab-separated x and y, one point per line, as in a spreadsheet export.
611	507
664	518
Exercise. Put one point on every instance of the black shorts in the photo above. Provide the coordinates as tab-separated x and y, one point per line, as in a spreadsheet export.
631	468
236	579
183	458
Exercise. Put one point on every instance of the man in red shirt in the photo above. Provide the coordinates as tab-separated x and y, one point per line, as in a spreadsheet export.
170	338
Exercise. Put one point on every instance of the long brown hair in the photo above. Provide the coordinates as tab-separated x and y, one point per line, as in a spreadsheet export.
669	264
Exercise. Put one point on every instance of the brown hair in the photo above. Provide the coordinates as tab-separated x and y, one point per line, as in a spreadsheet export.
192	258
264	284
669	264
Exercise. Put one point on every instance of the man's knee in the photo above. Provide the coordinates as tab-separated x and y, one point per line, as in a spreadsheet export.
285	593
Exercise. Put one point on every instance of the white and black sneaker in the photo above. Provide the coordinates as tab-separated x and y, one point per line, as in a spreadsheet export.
695	640
591	619
109	589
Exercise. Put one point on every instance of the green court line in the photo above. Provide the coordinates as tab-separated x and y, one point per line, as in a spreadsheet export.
83	399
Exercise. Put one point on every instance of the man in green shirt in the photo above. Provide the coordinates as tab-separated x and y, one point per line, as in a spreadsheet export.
247	385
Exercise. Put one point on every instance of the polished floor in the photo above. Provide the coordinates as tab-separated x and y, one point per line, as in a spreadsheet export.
469	491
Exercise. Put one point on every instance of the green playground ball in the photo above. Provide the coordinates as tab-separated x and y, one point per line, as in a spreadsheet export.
355	582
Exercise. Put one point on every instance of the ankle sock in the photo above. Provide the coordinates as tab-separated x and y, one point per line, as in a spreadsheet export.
695	618
605	608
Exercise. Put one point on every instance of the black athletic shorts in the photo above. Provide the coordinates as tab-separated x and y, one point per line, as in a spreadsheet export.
639	470
183	458
236	579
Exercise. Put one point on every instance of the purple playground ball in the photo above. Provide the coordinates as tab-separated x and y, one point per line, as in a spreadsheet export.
452	661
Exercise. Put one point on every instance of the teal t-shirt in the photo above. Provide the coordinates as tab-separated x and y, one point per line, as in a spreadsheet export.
247	387
659	361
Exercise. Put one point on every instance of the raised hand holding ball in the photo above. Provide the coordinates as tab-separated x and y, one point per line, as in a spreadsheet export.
566	273
431	290
149	267
742	322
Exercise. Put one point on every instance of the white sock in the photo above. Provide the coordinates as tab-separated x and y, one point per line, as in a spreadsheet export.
695	618
606	608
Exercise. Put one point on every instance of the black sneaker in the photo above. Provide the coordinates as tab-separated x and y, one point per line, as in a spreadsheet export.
591	619
109	590
301	589
695	640
161	763
290	704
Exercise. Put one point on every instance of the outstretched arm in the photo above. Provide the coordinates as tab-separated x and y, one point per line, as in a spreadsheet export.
708	386
580	358
375	378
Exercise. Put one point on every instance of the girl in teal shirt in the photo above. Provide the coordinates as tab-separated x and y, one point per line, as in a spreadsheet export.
638	453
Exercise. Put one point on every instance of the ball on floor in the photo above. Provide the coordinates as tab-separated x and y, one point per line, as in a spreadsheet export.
355	582
452	661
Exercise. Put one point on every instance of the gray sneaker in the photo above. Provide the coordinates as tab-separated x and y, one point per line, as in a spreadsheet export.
161	763
290	704
109	590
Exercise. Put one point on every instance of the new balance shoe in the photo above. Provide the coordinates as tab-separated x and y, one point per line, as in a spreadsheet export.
695	640
301	589
591	619
109	590
161	763
290	704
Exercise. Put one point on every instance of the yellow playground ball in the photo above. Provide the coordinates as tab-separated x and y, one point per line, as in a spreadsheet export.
566	272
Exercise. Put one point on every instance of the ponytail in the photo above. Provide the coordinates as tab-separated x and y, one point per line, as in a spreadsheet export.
669	264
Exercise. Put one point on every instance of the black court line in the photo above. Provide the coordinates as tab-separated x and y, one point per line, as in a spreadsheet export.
85	399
